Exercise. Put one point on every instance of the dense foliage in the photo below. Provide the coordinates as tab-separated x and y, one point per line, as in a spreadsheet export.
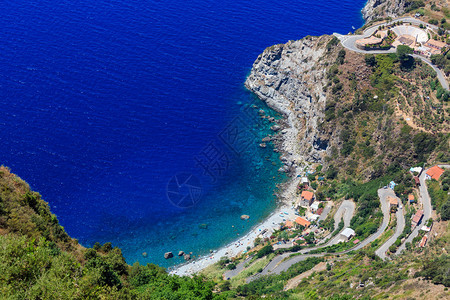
38	260
274	284
439	194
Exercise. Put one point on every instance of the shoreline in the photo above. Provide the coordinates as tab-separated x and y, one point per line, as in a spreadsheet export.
285	143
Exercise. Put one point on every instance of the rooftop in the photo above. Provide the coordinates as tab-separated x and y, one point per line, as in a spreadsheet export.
307	195
393	201
410	197
369	41
417	216
302	222
348	232
423	241
435	44
435	172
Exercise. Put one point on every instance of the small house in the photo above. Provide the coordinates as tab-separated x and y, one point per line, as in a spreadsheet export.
418	170
417	218
307	198
302	222
423	242
305	181
435	46
393	202
417	181
434	173
411	198
392	185
347	234
315	206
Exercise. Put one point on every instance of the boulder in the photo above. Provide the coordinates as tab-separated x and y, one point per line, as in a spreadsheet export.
275	127
168	255
144	254
187	257
245	217
181	253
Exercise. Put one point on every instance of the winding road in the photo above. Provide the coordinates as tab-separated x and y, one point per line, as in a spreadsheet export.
282	262
345	211
381	252
349	42
426	206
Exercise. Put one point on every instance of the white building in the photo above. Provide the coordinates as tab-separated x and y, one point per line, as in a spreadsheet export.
347	234
314	206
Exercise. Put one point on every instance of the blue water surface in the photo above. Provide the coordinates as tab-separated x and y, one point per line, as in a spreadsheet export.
104	102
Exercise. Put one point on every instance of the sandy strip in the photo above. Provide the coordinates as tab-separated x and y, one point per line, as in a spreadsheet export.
239	246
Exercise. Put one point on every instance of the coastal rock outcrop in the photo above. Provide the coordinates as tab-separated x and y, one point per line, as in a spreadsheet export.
168	255
376	9
290	78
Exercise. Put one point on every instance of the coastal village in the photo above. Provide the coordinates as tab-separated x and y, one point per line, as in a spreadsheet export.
316	222
355	131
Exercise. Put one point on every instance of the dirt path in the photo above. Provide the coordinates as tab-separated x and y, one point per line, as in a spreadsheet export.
292	283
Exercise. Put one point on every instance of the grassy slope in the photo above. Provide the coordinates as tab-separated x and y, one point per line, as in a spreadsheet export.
38	260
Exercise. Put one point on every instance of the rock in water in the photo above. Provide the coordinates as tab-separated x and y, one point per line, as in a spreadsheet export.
181	253
275	127
144	254
203	226
168	255
187	257
245	217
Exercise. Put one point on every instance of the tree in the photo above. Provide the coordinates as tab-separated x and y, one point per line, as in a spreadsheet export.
370	60
403	54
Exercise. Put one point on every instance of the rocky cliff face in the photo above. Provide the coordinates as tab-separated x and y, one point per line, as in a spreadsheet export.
290	78
375	9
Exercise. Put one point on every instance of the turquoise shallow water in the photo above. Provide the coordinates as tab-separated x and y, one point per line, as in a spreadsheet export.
104	102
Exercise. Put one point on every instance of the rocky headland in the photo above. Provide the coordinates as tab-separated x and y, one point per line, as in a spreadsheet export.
290	78
376	9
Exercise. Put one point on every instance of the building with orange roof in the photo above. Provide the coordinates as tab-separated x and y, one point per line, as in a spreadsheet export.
302	222
434	173
393	202
423	242
411	198
417	218
289	224
307	198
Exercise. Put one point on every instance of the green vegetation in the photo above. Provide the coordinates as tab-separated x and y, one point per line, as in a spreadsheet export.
436	270
274	284
40	261
440	199
442	61
413	4
403	54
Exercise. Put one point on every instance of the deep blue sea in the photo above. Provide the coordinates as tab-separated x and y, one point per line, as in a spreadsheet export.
131	118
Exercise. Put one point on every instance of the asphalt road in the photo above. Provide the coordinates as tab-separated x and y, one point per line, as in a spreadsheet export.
239	268
425	201
381	252
277	265
345	211
439	73
349	42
